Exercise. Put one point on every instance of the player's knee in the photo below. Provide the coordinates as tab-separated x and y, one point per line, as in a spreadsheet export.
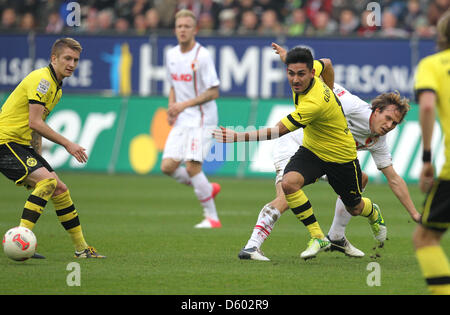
355	210
46	187
289	187
193	168
365	179
167	167
60	188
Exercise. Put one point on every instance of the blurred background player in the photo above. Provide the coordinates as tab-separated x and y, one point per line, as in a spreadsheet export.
432	89
193	114
369	125
22	126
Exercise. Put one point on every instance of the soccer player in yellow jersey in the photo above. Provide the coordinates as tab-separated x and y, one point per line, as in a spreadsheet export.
328	149
432	87
22	126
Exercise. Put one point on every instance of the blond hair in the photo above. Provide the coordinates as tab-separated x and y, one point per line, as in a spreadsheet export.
186	13
62	43
443	31
393	98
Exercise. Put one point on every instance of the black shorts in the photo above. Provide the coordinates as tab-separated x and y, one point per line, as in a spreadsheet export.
17	161
346	178
436	208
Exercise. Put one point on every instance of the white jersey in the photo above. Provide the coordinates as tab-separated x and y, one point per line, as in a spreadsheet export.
358	113
191	74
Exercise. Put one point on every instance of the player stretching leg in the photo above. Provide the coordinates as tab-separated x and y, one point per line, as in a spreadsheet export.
22	126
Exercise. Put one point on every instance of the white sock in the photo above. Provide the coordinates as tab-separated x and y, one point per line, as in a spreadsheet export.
264	225
203	191
340	221
181	175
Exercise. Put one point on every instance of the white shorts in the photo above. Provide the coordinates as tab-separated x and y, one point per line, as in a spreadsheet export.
284	148
188	143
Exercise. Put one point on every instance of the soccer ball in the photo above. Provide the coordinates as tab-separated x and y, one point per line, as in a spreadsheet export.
19	243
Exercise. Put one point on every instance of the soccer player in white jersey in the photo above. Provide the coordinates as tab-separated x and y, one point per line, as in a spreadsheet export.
369	124
192	112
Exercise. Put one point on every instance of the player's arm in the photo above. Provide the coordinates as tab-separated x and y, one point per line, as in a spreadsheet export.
228	135
170	118
427	115
328	72
37	124
400	189
210	94
36	142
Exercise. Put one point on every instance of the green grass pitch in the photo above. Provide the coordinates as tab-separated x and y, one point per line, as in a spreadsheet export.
144	224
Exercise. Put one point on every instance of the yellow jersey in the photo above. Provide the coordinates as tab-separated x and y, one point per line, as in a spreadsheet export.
38	87
326	132
433	74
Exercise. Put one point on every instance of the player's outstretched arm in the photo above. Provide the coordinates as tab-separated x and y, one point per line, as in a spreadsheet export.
400	189
279	51
328	72
228	135
38	125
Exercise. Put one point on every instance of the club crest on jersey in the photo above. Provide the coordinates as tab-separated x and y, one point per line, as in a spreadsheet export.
194	65
43	86
31	162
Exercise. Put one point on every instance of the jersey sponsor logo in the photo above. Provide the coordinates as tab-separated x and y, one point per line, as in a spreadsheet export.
43	86
182	77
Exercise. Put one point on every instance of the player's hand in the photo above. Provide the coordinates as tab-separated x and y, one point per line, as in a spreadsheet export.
77	151
416	217
175	109
224	135
280	51
426	177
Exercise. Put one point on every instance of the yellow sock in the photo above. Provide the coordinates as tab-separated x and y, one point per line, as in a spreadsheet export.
435	269
300	205
368	210
68	216
36	202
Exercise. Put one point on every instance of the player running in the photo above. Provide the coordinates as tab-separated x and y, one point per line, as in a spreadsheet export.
193	113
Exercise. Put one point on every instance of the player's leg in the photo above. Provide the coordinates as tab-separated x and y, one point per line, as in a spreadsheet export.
18	163
267	218
205	193
283	149
174	151
303	169
65	209
346	180
427	236
432	259
173	168
336	234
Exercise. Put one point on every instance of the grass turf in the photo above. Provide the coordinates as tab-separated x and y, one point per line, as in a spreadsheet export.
144	225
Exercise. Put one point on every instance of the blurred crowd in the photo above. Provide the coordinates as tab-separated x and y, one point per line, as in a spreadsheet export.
396	19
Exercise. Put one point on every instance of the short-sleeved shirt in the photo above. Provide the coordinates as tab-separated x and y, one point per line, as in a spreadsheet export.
433	74
358	113
39	87
326	132
191	74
